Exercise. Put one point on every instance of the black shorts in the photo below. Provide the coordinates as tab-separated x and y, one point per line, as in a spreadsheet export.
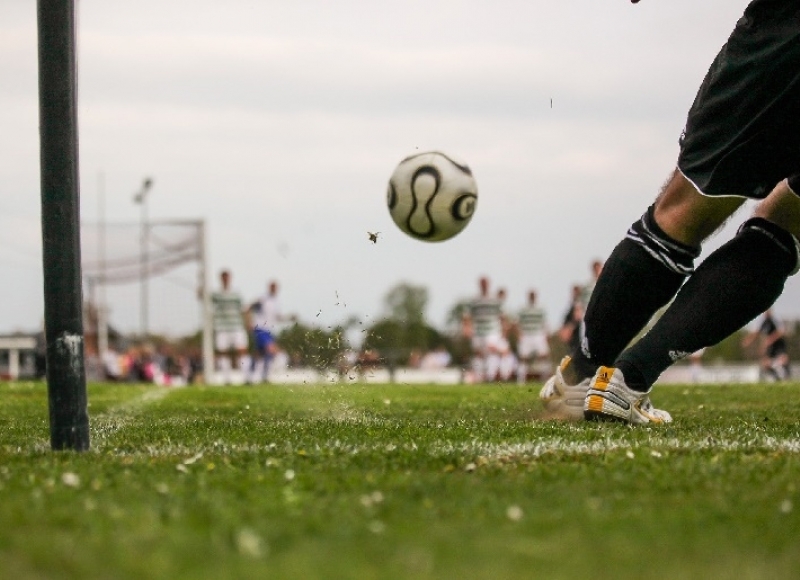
776	351
742	133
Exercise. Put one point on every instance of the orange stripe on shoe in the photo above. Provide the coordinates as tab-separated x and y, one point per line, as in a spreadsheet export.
594	403
603	377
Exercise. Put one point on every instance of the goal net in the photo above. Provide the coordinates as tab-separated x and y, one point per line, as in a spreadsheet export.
145	280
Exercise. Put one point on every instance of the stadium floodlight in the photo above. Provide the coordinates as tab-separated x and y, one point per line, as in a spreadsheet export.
61	243
140	197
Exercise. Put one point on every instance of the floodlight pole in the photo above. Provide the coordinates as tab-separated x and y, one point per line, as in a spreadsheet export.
102	313
61	251
144	295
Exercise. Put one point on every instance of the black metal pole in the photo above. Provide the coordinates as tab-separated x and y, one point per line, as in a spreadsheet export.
63	316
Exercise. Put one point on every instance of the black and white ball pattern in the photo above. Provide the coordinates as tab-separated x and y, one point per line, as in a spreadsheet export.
431	196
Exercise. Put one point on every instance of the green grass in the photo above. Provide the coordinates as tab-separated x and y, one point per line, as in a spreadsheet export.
385	482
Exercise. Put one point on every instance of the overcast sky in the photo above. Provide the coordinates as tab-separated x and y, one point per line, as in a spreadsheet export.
279	123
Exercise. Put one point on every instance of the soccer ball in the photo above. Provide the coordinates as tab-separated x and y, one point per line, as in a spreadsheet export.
431	196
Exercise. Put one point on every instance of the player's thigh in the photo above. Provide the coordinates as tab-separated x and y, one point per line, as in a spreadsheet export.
542	346
495	343
223	341
240	341
688	216
533	346
265	341
525	347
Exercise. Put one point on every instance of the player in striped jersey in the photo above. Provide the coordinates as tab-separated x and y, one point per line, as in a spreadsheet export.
533	347
482	324
230	335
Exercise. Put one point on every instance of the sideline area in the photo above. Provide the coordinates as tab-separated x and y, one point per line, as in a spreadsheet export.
682	374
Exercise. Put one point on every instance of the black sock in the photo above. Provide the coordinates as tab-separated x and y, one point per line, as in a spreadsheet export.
642	274
736	283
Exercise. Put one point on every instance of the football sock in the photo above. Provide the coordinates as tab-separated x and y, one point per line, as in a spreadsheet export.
642	274
736	283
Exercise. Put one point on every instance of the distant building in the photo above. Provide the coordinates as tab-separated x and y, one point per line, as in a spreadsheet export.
21	356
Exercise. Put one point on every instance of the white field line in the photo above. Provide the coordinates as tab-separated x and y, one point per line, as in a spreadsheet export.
112	420
510	451
528	450
561	446
119	416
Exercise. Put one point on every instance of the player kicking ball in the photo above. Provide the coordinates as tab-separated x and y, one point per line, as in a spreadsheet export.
741	141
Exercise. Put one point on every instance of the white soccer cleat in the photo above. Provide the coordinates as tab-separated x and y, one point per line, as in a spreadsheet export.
563	401
609	398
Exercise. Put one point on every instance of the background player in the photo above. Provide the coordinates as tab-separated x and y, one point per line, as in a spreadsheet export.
264	316
533	347
587	289
506	358
773	351
482	324
230	336
569	333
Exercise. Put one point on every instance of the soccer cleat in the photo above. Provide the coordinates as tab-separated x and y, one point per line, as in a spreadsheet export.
561	400
609	398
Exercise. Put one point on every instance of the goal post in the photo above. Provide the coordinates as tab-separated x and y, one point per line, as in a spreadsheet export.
61	244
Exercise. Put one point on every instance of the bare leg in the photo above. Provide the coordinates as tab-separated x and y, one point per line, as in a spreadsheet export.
689	217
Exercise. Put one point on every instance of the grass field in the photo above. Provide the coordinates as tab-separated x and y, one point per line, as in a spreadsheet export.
387	482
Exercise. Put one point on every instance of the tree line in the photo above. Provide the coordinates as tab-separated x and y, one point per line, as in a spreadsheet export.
404	329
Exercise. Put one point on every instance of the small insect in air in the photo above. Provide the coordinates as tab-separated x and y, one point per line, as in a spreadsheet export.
373	237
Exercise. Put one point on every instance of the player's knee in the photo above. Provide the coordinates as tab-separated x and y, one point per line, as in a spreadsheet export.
688	216
782	205
672	254
767	232
794	184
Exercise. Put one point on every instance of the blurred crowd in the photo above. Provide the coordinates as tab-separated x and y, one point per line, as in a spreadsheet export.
492	344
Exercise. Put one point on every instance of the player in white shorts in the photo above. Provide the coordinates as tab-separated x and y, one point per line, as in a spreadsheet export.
506	362
230	334
482	323
264	317
533	347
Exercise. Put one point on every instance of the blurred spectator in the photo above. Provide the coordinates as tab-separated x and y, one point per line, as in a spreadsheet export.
569	333
437	358
112	366
773	350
